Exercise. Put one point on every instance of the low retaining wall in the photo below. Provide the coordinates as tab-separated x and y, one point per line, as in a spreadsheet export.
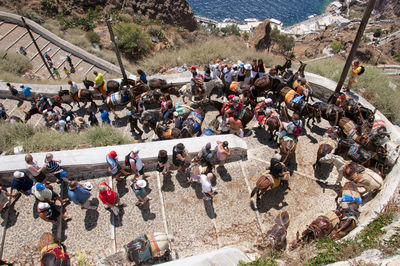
89	163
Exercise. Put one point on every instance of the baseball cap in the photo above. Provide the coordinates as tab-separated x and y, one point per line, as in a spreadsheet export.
40	186
112	154
193	67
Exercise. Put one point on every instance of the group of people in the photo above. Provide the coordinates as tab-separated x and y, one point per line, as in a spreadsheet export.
37	180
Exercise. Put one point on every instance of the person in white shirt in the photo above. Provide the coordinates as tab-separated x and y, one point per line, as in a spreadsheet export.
206	186
215	71
73	89
224	125
248	75
136	164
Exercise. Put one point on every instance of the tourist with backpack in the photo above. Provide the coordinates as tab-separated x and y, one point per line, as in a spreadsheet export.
293	128
134	162
113	166
356	70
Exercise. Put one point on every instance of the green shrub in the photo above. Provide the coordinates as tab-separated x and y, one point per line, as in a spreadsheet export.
155	31
92	37
104	136
49	7
336	46
132	41
14	63
85	24
31	14
42	139
378	33
231	30
283	42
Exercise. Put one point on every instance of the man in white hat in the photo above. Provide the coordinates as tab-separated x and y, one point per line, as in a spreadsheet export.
248	75
79	195
136	164
22	183
140	192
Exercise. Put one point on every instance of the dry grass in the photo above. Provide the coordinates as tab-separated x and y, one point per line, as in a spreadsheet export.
374	85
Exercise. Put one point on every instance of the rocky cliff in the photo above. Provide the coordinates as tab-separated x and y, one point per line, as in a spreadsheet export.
174	12
388	8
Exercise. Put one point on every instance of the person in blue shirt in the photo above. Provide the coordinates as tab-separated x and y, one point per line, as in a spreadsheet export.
142	75
79	195
104	116
22	183
26	91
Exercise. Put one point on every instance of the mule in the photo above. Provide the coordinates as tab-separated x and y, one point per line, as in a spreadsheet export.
265	182
273	124
119	98
320	227
348	217
35	109
192	125
52	252
208	87
287	147
276	234
297	104
83	95
165	132
146	248
264	84
329	112
327	147
363	177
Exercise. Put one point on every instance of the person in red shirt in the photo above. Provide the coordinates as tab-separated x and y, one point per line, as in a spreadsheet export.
109	198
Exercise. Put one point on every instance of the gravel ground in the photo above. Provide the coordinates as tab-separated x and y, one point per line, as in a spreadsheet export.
197	226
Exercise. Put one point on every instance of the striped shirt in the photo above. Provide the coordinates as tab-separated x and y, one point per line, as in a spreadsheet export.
53	166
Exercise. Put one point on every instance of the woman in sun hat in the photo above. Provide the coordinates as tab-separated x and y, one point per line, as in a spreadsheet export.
138	188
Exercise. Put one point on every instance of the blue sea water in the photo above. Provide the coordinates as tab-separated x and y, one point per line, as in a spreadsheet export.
287	11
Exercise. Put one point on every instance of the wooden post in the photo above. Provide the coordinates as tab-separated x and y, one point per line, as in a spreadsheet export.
37	47
125	78
360	32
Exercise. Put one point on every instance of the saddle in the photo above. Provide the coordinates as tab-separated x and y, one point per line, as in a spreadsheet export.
359	154
346	224
267	180
320	227
329	142
347	125
135	247
352	171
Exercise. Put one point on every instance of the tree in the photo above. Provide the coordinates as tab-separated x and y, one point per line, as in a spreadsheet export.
132	41
284	42
231	30
336	46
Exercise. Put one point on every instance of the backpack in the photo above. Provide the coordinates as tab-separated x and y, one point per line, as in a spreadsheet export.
297	130
361	71
127	158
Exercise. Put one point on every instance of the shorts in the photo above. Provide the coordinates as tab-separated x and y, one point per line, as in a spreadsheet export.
40	177
141	171
54	195
61	176
352	79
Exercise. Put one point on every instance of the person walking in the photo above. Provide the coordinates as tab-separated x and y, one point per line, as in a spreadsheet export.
22	183
206	186
132	120
53	167
179	155
26	91
50	213
105	119
79	195
93	119
138	187
223	152
34	169
162	163
67	73
136	164
195	170
356	70
236	126
109	198
55	72
15	93
113	166
4	197
206	156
